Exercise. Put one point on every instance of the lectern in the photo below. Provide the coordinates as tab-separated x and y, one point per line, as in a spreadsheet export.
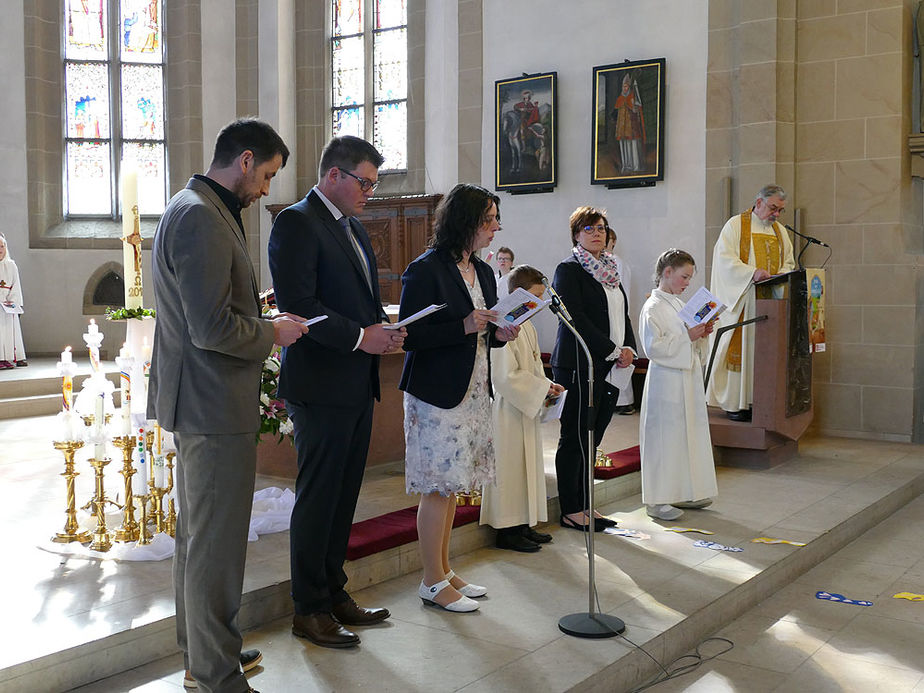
782	408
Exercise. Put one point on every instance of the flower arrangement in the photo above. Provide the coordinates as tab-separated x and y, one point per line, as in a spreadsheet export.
129	313
274	419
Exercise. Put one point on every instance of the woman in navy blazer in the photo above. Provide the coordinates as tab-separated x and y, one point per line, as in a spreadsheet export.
447	383
589	286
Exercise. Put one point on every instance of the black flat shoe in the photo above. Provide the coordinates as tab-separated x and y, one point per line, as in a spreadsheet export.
571	524
537	537
514	541
605	521
740	415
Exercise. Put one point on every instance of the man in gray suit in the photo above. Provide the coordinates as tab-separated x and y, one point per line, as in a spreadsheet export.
209	346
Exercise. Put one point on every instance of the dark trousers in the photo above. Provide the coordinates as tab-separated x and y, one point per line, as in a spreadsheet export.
332	444
214	492
571	456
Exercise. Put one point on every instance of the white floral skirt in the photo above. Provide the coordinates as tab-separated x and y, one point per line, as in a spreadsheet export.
451	450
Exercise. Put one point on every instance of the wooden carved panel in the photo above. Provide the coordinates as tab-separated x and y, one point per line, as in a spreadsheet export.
399	229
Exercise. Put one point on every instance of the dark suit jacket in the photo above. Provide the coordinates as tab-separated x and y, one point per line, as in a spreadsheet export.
210	341
440	356
316	272
585	299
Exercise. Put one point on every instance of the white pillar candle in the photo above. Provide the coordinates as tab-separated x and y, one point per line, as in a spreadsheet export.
131	236
66	356
125	363
99	450
159	471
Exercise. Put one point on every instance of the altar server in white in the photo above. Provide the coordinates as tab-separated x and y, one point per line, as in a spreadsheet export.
12	352
677	464
518	500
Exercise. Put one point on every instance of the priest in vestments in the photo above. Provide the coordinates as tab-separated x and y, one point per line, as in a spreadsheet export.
752	246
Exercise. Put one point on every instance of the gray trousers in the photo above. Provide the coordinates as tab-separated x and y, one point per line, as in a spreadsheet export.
214	490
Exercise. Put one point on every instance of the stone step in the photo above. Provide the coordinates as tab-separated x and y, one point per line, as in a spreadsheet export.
40	396
151	639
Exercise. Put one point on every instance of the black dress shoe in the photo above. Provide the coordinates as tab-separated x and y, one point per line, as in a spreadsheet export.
250	659
571	524
510	538
349	613
740	415
533	535
322	629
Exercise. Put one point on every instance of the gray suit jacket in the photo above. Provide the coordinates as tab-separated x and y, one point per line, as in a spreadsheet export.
210	341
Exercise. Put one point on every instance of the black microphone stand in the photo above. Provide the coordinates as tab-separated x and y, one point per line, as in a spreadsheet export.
808	240
718	335
587	624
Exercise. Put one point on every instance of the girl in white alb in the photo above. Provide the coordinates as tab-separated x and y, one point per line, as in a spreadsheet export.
12	352
677	464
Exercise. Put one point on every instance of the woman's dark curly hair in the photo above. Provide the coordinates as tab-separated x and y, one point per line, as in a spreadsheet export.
458	217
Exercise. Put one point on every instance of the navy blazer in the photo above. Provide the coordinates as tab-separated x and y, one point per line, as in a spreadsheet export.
316	272
585	299
440	356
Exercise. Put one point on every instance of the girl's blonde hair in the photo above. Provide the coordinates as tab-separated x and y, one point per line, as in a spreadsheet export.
672	257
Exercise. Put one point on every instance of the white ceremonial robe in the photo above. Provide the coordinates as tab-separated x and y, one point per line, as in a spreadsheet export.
732	283
626	394
520	387
11	345
677	463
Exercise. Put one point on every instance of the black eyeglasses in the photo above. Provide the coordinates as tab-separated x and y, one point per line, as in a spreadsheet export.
364	183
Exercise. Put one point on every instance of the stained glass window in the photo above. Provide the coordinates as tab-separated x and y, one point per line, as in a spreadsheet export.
114	110
374	109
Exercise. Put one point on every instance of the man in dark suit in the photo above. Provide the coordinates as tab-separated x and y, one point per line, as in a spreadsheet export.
209	346
323	264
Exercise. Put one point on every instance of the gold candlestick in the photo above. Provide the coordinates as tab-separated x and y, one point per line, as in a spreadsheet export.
101	539
144	536
158	508
129	529
170	521
171	518
70	533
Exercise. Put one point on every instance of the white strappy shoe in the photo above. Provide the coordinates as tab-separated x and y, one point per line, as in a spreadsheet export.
468	590
460	605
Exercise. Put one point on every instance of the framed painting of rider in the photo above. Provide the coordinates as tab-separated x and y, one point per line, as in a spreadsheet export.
627	149
525	133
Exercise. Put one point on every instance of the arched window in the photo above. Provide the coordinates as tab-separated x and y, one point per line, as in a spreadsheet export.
114	104
369	75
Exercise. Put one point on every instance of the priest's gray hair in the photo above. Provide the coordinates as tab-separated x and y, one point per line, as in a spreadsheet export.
769	191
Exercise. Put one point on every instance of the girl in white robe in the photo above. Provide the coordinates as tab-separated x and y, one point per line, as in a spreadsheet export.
518	499
676	449
12	351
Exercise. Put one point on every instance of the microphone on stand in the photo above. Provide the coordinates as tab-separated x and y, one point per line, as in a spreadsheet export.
808	238
558	305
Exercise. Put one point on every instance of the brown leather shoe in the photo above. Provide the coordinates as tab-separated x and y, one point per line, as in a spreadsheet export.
322	629
349	613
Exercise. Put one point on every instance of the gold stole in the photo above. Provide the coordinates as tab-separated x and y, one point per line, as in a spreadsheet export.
768	255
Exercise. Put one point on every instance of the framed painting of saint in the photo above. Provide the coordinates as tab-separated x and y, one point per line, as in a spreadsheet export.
525	133
627	148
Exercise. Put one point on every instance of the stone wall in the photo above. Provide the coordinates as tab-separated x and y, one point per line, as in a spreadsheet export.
816	96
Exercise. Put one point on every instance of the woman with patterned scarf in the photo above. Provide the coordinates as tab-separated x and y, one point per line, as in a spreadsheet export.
589	286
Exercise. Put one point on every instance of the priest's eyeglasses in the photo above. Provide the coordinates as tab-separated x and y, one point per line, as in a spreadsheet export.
365	184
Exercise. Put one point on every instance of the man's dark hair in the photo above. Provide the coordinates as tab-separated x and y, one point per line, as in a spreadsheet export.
346	153
248	133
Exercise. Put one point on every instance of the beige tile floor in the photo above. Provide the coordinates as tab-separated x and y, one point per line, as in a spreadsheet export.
789	642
